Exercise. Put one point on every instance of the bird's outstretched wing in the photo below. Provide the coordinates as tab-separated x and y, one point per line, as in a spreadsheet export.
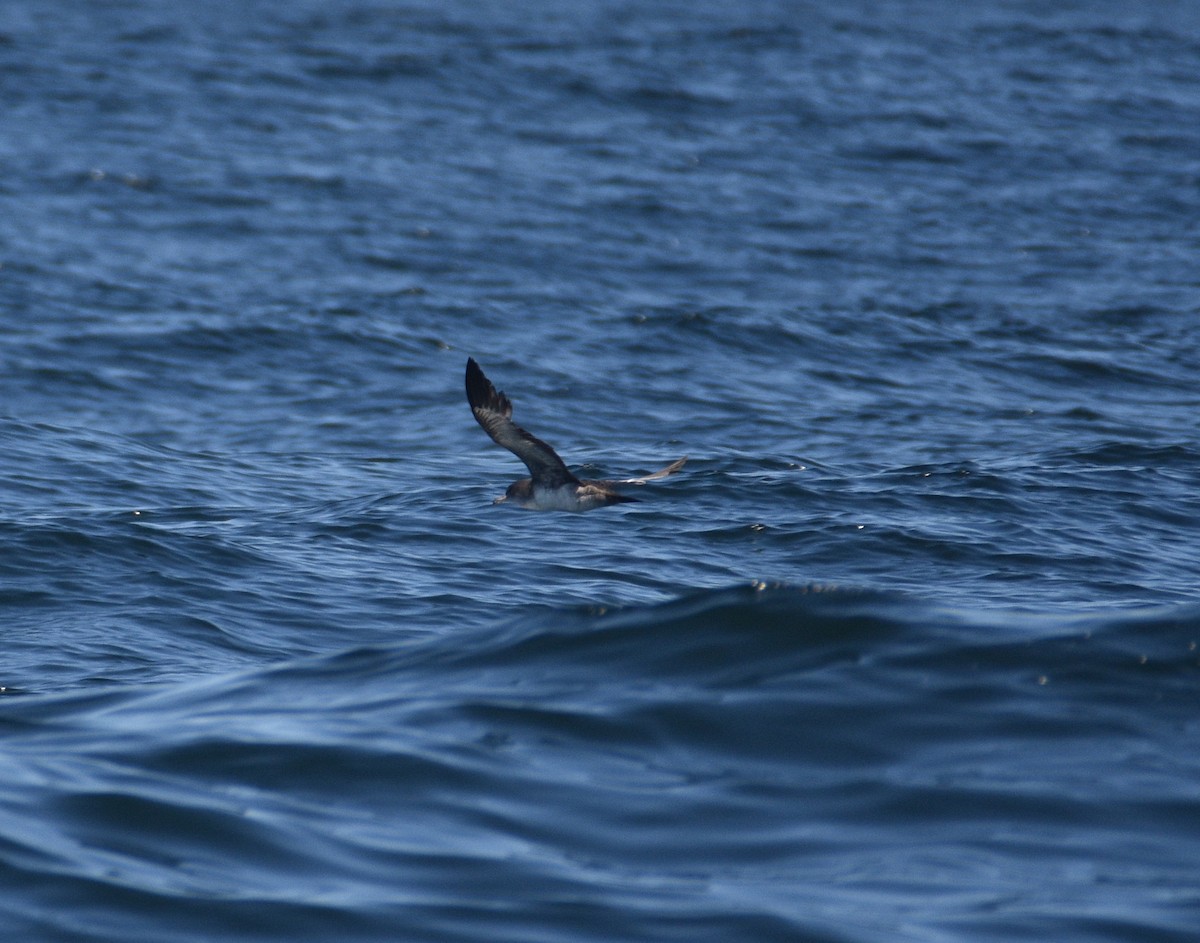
661	473
493	411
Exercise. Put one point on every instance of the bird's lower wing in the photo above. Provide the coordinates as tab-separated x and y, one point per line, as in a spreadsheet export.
661	473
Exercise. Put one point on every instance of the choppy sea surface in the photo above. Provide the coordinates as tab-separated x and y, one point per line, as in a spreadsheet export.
907	652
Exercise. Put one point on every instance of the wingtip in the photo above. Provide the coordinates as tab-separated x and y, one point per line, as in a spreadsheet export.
477	384
481	394
670	469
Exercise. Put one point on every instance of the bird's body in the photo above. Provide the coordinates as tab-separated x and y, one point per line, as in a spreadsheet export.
582	496
551	485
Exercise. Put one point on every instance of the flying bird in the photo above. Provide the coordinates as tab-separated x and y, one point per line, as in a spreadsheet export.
551	486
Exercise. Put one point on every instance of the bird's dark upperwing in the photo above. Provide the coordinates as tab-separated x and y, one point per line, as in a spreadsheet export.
493	411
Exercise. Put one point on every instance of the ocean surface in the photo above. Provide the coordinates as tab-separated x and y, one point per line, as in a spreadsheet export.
908	651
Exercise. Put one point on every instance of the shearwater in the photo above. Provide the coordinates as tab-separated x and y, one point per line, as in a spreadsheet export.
551	486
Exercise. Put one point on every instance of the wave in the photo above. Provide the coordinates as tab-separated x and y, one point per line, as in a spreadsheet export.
755	762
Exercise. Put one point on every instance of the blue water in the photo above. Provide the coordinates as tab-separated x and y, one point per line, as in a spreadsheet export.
907	652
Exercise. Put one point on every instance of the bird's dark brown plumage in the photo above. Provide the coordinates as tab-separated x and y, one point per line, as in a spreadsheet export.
551	486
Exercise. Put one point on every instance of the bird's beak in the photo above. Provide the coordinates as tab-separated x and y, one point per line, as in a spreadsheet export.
500	500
